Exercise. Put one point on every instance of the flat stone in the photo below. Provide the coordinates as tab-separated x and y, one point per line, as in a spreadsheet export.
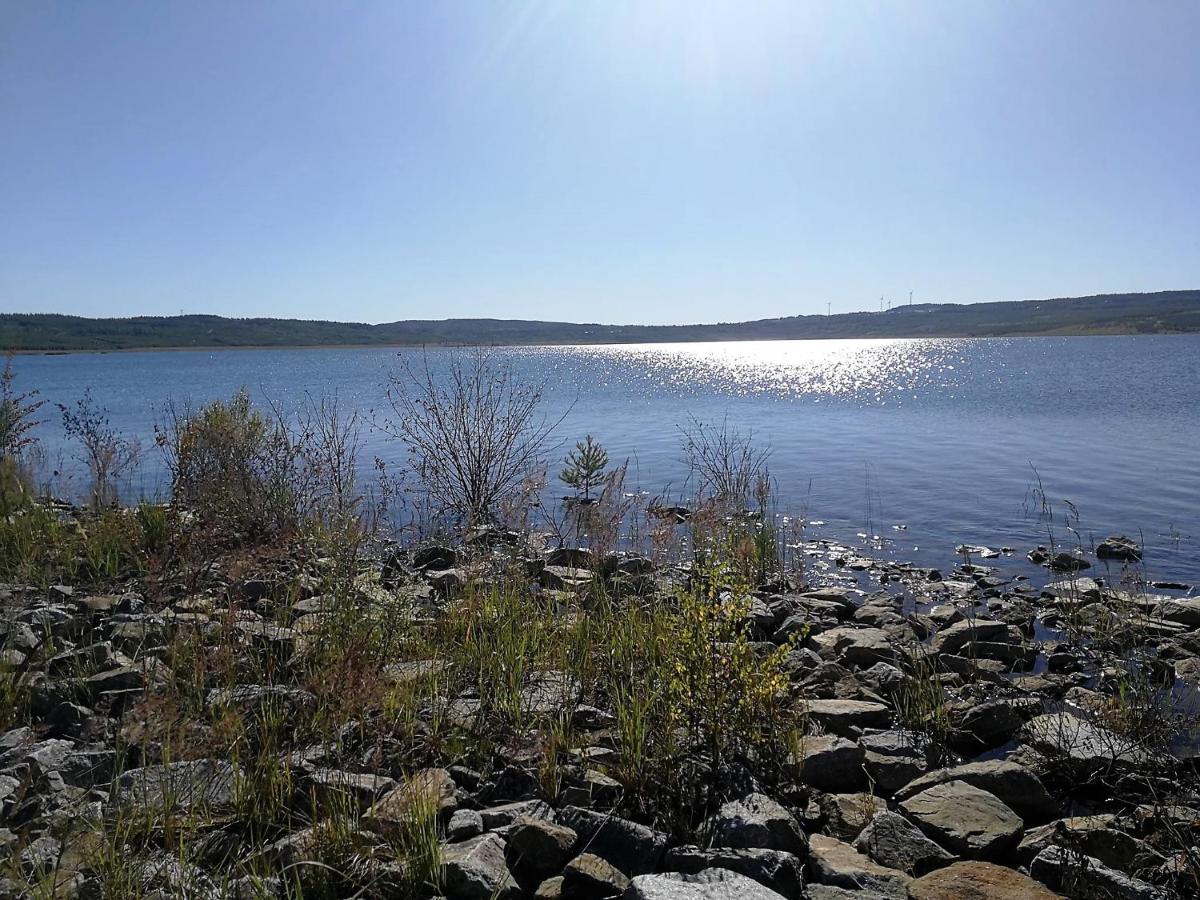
777	869
1018	787
978	881
710	884
1066	736
196	785
965	819
837	863
846	716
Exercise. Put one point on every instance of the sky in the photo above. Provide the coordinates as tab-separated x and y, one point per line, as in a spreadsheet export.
617	162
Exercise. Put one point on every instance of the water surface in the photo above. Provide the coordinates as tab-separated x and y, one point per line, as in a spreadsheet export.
944	437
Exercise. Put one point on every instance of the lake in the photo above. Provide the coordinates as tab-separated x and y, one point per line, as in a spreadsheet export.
944	437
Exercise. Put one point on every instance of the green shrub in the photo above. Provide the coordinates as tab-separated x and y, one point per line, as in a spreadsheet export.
232	467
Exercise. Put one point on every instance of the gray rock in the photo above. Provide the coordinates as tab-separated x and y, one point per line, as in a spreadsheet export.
958	635
831	763
848	717
860	647
756	821
588	877
1119	547
835	862
892	841
197	785
777	869
710	884
1087	878
1018	787
475	870
538	849
1068	737
633	848
965	819
465	823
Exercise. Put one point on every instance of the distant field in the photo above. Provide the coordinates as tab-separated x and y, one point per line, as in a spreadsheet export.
1158	313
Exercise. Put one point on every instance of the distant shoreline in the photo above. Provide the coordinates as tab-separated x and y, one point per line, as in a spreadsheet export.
1165	312
446	345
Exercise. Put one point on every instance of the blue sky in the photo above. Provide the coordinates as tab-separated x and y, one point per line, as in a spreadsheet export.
600	161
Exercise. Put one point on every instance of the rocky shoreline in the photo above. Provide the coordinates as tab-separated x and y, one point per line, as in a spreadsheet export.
966	734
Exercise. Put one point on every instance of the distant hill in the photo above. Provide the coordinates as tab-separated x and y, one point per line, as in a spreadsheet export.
1158	313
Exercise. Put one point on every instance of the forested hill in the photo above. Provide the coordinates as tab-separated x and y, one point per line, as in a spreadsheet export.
1157	313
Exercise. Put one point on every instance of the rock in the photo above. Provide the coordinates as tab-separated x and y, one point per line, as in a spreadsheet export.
958	635
860	647
507	814
435	556
756	821
475	870
892	841
1119	547
1068	562
777	869
837	863
550	889
891	760
1089	835
538	849
978	881
253	699
428	790
1185	611
198	785
1070	738
965	819
1085	877
846	815
633	848
336	788
566	578
710	884
988	725
1018	787
465	823
846	717
831	763
588	877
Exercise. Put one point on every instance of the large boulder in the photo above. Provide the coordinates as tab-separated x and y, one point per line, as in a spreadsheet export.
965	819
978	881
756	821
